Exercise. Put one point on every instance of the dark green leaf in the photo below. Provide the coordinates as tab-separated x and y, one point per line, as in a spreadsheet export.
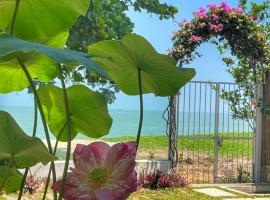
24	151
13	179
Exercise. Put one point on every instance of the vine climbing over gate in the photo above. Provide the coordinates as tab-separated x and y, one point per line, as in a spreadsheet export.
228	28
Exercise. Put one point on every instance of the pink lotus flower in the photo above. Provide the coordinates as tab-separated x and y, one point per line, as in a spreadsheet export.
101	172
195	38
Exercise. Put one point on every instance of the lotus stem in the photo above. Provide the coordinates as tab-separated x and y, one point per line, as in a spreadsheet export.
42	115
69	133
11	31
141	108
50	169
36	97
33	135
6	177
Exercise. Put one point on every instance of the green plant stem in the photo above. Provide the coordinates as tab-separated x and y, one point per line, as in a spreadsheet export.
6	177
3	183
36	97
69	134
33	135
11	31
49	174
91	8
141	109
42	115
50	169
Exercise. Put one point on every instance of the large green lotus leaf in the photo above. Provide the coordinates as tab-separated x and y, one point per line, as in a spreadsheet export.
124	58
24	150
41	61
41	19
88	111
39	66
13	179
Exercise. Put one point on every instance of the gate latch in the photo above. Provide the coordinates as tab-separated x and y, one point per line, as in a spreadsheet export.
220	142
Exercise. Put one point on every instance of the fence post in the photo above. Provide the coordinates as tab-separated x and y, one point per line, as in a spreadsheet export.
257	148
265	139
173	130
216	131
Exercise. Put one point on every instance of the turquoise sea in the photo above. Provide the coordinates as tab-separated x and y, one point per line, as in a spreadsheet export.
125	122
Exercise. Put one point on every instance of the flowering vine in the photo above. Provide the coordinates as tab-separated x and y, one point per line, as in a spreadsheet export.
237	29
229	25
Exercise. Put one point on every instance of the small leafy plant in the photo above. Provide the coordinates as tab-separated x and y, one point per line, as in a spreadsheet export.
242	176
151	155
159	180
34	183
150	180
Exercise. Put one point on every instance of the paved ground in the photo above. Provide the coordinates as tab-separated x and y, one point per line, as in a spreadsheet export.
249	199
216	192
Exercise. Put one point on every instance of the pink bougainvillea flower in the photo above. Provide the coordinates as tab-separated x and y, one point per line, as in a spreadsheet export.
202	10
101	172
215	17
253	18
216	28
195	38
201	13
182	23
226	7
254	104
212	6
238	10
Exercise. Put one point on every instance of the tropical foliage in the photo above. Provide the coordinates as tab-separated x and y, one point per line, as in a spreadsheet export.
107	20
234	29
32	48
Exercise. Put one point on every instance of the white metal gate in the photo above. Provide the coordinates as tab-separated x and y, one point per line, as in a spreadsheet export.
215	144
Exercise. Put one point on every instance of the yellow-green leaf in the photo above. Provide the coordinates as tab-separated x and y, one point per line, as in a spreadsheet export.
41	19
124	59
88	111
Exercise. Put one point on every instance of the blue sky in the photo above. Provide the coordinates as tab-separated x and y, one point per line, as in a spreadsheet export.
208	68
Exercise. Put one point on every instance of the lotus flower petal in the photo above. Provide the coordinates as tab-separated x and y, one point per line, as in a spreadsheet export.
106	194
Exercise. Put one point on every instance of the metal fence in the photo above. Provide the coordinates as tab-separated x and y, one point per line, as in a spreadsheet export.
214	146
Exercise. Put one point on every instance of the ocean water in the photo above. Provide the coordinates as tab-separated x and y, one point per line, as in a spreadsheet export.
125	122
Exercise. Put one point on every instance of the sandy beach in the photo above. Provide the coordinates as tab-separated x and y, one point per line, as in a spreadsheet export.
63	145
